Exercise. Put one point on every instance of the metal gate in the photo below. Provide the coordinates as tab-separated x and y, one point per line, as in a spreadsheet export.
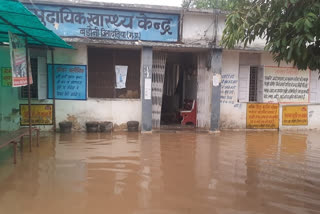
158	71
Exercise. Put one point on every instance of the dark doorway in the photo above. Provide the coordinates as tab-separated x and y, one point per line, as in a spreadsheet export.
180	87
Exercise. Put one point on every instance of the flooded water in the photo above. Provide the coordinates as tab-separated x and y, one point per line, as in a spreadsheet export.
165	173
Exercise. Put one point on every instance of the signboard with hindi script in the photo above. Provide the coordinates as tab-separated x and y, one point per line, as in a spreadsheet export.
262	116
6	77
70	82
70	21
285	84
41	114
295	115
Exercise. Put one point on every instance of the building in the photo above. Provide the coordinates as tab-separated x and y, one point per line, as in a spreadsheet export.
169	55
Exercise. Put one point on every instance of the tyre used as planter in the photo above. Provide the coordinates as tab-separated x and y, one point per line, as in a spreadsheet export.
105	126
65	127
92	126
133	126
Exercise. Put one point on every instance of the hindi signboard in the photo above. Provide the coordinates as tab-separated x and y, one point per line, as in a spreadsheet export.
70	21
70	82
262	116
6	77
282	84
295	115
18	61
41	114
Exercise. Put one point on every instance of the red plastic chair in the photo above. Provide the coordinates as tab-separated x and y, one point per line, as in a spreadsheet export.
189	116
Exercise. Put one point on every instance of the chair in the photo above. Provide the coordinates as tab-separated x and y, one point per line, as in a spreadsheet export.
189	116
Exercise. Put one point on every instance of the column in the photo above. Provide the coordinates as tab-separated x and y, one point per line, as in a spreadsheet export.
146	79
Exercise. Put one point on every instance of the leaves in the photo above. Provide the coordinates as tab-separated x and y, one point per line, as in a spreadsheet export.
291	29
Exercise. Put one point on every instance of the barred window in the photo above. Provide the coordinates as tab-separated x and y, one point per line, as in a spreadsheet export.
34	85
253	84
102	77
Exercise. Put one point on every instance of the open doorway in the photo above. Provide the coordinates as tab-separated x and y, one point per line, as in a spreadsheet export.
179	90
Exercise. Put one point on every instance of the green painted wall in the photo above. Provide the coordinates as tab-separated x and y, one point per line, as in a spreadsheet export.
9	98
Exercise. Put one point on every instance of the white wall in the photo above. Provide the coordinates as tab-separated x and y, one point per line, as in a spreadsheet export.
118	111
199	29
232	113
313	118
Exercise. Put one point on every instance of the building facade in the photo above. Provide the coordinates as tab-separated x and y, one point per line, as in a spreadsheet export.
139	62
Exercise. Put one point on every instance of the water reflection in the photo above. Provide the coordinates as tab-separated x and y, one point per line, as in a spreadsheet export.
187	172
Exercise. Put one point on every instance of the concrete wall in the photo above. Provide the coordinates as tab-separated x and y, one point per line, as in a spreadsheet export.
233	113
9	98
200	29
118	111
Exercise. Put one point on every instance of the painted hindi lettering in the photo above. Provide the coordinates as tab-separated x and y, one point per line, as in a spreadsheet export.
107	23
285	85
229	85
262	116
6	77
41	114
295	115
70	82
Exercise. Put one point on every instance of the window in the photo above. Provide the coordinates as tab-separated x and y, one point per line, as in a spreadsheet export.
34	85
102	76
38	88
250	84
253	88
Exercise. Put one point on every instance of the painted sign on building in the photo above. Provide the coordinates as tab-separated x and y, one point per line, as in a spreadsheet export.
229	86
262	116
69	21
40	114
70	82
6	77
282	84
295	115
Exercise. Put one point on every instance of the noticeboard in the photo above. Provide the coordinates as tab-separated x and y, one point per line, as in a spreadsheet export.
295	115
70	82
41	114
262	116
6	77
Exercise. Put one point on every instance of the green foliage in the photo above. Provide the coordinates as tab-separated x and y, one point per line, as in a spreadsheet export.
208	4
291	29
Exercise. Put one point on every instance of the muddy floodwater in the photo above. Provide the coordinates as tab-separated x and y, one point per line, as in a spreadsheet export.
165	173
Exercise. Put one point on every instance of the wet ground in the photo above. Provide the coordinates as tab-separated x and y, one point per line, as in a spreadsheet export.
165	173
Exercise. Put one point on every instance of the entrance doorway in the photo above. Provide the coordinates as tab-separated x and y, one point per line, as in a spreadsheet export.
179	90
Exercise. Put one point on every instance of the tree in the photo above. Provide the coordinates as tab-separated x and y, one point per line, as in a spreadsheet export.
208	4
291	29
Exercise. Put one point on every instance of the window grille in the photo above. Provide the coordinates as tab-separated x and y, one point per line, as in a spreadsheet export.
253	84
102	77
34	85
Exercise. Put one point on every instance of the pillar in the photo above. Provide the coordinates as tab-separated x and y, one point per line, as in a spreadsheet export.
146	80
216	66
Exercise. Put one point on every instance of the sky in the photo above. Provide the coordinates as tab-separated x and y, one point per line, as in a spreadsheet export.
152	2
